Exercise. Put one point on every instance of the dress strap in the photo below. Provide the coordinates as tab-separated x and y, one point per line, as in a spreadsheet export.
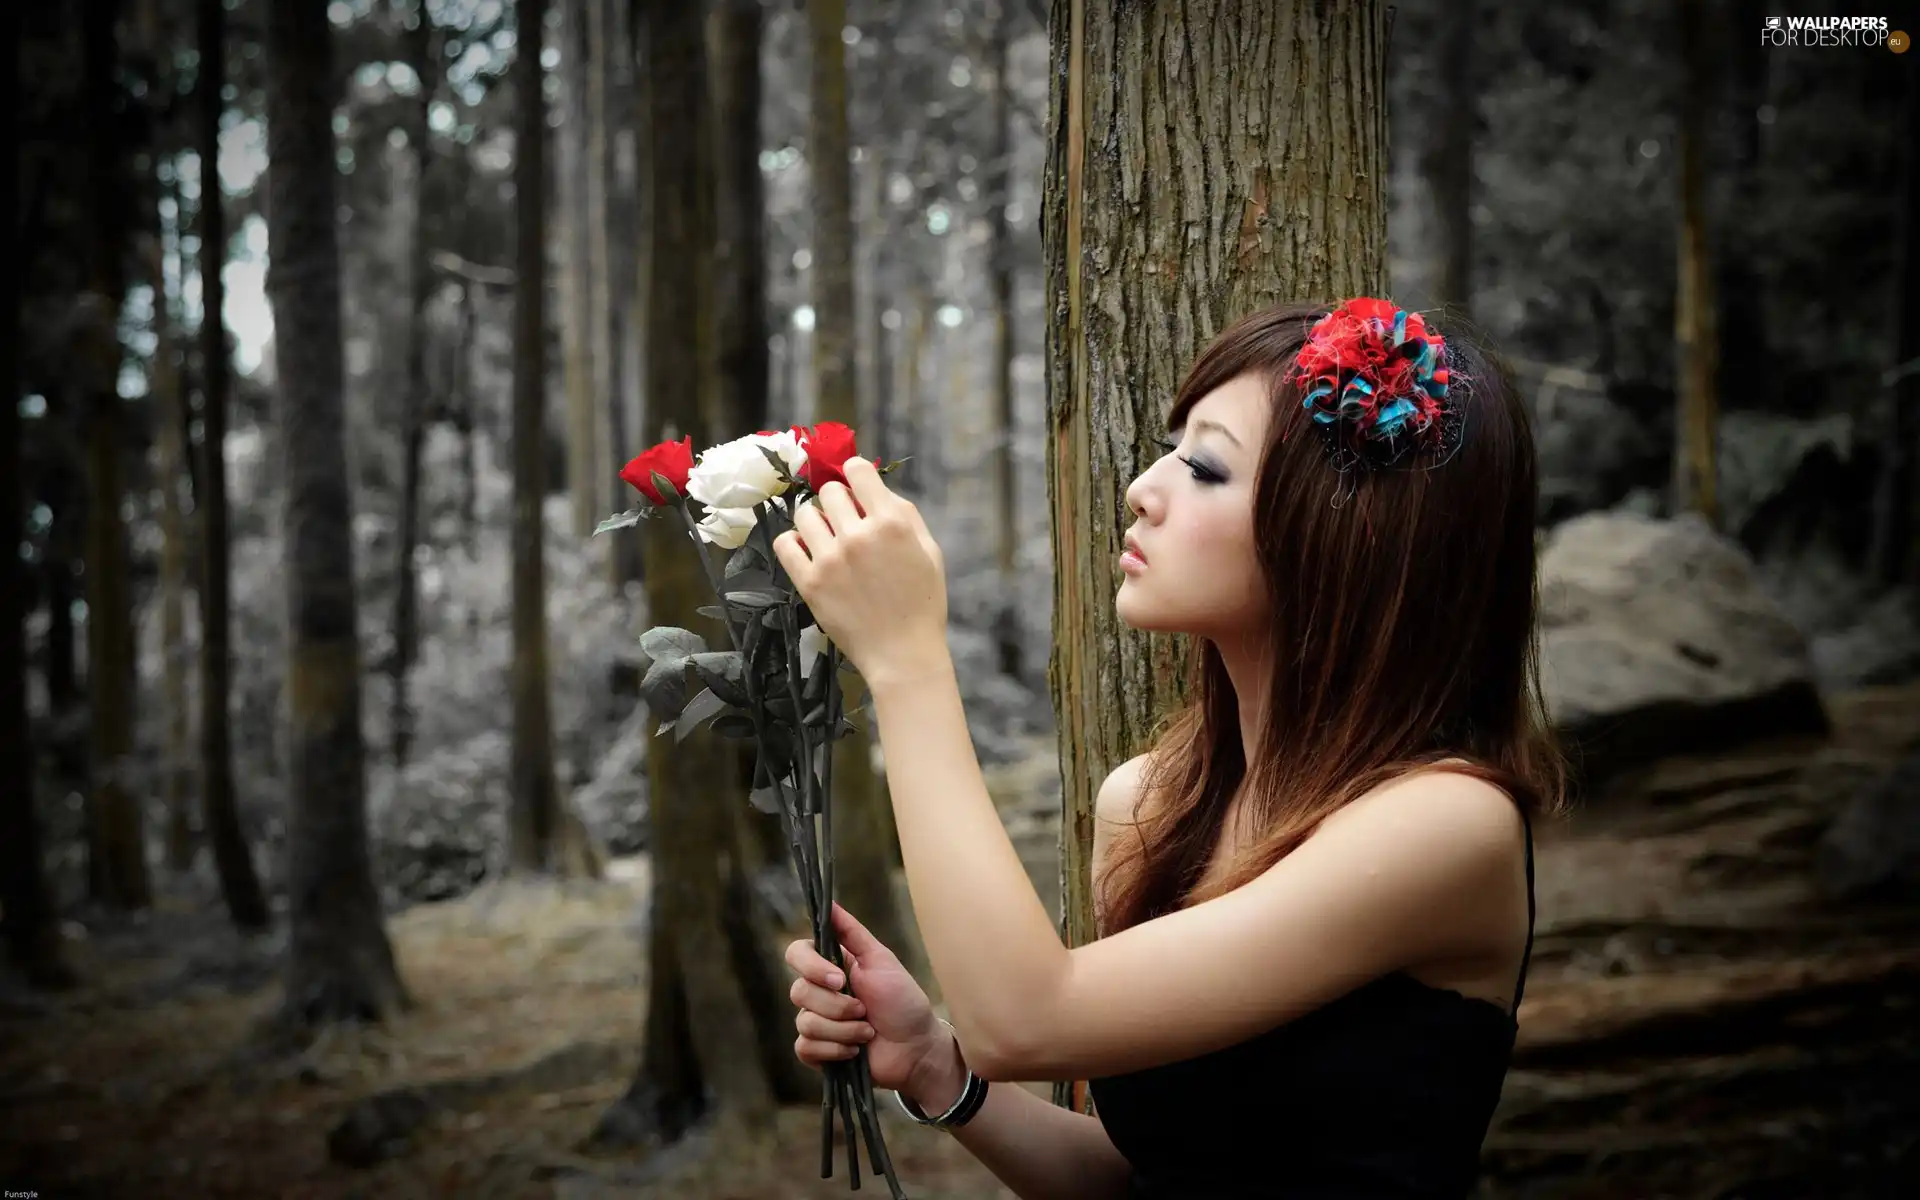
1526	958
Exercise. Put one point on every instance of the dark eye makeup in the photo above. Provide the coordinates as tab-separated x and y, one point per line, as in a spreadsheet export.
1203	471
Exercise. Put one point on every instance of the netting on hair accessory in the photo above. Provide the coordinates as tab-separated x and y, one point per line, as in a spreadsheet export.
1376	382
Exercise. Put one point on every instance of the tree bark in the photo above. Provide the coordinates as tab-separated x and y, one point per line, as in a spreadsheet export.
165	386
1000	277
339	963
1696	349
1751	373
702	1031
545	835
1174	203
1451	166
583	489
421	45
739	208
27	917
219	808
117	861
864	840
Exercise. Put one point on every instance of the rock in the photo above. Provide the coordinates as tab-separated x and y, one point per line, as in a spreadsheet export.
1873	848
1656	638
1593	450
1881	647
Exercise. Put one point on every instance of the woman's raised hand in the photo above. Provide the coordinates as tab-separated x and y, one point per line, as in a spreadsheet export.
888	1012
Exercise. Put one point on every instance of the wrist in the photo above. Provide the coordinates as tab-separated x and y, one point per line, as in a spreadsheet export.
939	1077
909	669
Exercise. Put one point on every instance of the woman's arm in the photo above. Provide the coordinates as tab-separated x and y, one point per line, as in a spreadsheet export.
1035	1147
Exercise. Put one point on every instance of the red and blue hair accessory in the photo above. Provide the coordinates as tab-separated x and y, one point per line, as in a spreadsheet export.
1374	379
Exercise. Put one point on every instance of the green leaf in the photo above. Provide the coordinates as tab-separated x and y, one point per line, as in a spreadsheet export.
665	487
705	705
713	610
724	672
669	641
750	579
625	520
746	558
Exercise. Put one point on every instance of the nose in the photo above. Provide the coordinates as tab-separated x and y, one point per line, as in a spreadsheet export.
1142	500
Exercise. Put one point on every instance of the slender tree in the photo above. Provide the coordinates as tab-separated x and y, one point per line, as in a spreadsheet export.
219	809
167	388
1450	165
1000	281
864	841
339	963
587	496
546	836
1697	350
1252	176
27	916
713	995
415	406
117	860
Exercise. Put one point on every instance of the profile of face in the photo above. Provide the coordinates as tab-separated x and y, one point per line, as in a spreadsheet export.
1191	565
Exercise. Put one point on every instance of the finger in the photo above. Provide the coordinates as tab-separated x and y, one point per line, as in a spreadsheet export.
820	1029
814	1053
839	506
792	553
853	935
803	958
811	525
828	1003
869	487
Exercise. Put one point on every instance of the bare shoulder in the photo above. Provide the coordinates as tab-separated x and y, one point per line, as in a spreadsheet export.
1119	797
1435	812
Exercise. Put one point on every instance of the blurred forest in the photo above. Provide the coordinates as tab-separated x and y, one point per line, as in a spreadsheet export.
331	811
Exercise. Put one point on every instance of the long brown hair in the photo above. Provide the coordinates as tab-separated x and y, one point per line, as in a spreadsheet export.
1403	630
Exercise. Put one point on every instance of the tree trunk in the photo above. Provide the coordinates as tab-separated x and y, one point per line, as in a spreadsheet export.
219	809
706	1029
1899	536
1000	276
1451	164
1750	374
587	493
1696	349
546	837
468	410
339	963
739	208
606	315
117	860
27	915
414	406
865	846
169	473
1197	198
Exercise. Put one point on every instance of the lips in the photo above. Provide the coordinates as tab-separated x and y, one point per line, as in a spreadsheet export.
1132	547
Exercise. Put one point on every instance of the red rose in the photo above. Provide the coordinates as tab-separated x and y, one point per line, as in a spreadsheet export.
673	461
828	445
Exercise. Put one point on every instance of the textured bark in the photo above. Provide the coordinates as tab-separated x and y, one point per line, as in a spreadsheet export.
609	235
739	208
415	405
1000	284
701	1031
1696	349
466	417
1451	167
545	835
865	846
339	963
219	809
117	861
27	916
1177	198
585	491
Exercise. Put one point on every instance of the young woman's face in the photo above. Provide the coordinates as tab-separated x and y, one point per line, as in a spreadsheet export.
1195	570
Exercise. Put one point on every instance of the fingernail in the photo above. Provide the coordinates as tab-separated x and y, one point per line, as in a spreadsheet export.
835	979
866	1033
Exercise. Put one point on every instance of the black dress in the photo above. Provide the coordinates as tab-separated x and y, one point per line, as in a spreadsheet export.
1383	1093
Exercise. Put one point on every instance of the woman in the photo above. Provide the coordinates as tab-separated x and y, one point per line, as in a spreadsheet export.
1315	890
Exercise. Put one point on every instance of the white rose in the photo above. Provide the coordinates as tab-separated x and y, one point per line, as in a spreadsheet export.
813	644
737	474
726	528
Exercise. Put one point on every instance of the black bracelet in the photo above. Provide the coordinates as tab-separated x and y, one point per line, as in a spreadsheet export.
972	1097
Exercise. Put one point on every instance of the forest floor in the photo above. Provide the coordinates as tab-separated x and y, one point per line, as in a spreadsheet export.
1697	1024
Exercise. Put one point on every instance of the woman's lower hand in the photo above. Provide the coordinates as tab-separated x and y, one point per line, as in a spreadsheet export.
887	1012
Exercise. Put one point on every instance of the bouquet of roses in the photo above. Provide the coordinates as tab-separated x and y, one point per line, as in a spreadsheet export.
777	681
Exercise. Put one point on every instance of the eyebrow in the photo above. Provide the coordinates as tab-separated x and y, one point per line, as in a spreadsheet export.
1203	423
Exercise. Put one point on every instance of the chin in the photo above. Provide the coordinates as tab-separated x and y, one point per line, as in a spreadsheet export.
1136	615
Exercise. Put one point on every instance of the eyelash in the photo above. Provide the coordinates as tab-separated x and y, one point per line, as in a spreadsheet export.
1201	472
